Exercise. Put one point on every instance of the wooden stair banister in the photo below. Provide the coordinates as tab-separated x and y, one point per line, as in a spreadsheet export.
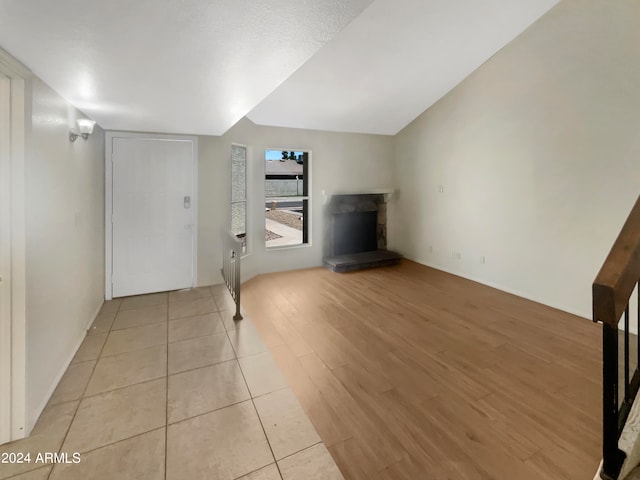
619	273
612	290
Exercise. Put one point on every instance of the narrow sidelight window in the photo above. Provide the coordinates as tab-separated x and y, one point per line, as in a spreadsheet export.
239	193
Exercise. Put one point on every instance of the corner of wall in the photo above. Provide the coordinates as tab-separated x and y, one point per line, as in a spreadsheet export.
64	239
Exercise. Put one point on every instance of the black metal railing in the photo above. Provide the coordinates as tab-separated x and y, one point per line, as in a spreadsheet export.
231	255
612	292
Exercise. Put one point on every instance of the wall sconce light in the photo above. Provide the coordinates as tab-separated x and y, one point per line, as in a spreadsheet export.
85	128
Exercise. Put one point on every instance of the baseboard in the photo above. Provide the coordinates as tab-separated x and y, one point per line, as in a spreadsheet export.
597	475
503	288
34	418
629	441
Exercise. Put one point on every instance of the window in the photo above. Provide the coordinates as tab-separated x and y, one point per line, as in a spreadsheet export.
286	197
239	193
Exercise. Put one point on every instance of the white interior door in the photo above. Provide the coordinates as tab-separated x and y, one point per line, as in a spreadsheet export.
13	418
153	215
5	259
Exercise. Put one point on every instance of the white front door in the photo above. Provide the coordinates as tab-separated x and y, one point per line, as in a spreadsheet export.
153	215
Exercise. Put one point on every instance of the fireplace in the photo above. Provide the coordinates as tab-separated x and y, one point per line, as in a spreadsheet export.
356	233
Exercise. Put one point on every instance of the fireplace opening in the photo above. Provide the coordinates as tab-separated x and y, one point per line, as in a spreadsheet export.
355	232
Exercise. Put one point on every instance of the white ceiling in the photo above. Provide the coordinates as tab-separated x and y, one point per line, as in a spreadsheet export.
394	61
198	66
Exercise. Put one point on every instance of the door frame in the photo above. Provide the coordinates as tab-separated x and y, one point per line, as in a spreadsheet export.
108	205
13	418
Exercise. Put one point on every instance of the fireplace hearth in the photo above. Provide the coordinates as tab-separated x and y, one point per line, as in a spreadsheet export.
356	233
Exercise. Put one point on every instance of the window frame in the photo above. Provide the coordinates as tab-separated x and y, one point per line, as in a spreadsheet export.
247	248
306	172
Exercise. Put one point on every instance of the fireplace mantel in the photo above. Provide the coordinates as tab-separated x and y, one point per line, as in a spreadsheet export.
387	192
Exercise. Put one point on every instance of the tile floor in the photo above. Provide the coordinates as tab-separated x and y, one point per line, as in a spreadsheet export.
168	386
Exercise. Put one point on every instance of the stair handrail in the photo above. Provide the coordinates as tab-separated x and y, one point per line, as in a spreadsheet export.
611	293
232	250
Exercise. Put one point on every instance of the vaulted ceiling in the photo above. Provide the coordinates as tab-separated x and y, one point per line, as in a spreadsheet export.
198	66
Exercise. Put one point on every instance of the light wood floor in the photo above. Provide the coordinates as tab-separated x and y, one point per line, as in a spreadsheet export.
411	373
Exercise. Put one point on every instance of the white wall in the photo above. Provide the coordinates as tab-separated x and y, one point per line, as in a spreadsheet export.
538	152
340	161
65	240
214	171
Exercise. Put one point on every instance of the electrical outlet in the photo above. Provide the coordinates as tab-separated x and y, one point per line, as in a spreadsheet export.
457	255
430	248
483	260
441	188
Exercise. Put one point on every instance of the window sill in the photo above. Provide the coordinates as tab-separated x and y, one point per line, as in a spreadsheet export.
287	247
